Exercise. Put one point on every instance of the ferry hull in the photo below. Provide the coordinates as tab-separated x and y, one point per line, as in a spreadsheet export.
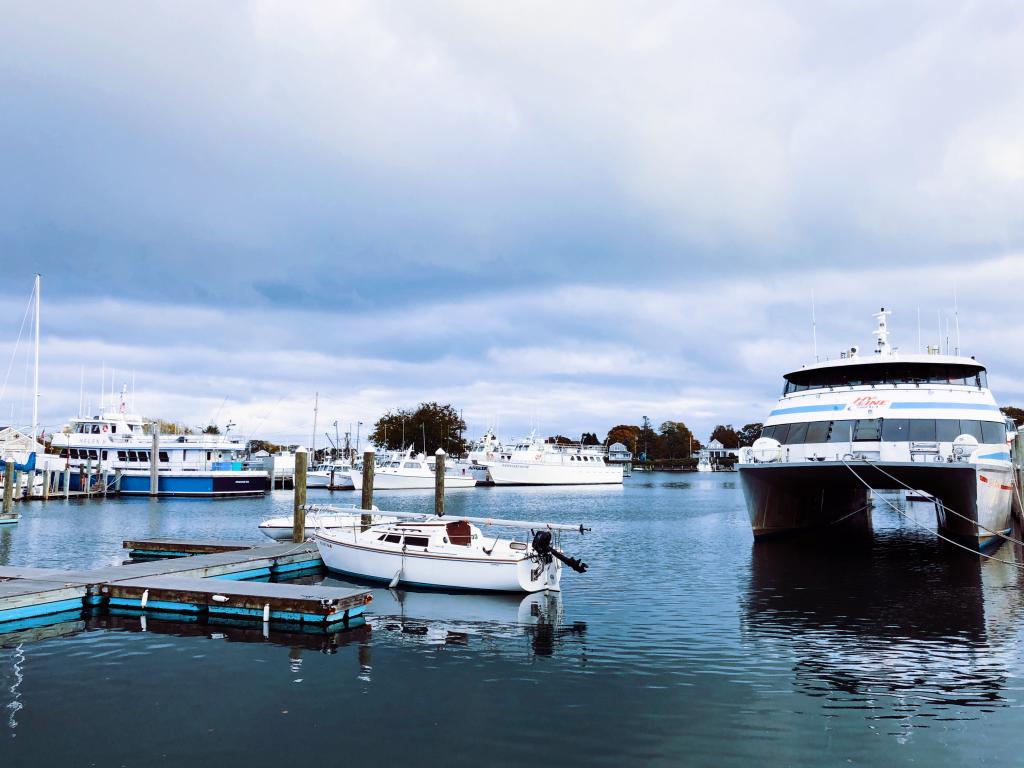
436	572
800	496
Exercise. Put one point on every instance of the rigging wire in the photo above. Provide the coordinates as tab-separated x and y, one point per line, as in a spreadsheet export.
14	352
898	511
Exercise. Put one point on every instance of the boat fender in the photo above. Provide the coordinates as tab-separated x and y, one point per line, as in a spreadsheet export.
394	581
220	598
266	613
145	599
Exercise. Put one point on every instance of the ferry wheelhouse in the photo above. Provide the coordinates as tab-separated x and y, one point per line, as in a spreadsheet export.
887	421
187	465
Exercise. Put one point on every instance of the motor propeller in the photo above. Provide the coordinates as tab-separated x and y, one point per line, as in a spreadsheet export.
542	546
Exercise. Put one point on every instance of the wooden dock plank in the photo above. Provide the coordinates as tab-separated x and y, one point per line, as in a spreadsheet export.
285	601
186	546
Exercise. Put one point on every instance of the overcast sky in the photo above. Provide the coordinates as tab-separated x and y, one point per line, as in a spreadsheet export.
561	215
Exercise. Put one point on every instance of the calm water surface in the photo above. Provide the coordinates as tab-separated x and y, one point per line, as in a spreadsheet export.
684	642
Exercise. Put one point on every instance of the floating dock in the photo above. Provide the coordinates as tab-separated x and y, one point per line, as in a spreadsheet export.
204	586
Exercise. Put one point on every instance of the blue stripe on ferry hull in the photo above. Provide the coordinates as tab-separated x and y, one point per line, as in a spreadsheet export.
944	406
1004	456
806	409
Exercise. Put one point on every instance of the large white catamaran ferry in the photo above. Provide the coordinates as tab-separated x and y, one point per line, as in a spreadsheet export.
887	421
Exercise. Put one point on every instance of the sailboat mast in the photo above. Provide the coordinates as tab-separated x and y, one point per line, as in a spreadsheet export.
35	372
316	407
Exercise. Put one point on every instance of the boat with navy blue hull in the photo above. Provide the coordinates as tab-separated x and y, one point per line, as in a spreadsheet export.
883	422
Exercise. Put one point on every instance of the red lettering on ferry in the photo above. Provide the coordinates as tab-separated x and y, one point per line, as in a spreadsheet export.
868	402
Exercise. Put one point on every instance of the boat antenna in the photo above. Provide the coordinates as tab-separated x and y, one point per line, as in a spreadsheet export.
814	328
938	341
882	332
35	373
956	319
81	393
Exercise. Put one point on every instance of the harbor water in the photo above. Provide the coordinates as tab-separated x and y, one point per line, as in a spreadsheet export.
685	643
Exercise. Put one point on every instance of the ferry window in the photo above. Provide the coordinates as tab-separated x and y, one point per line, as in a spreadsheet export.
797	433
781	432
106	455
133	456
208	455
922	430
113	428
416	541
94	454
768	432
993	432
817	432
63	453
971	427
95	429
74	453
895	430
122	456
841	432
946	430
867	430
143	455
163	456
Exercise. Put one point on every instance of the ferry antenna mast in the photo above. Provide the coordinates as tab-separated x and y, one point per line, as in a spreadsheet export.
814	329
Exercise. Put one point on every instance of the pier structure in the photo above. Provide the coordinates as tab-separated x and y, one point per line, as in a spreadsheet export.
215	587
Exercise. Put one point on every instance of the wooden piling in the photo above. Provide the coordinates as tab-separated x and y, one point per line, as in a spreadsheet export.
88	478
439	456
299	502
366	519
117	481
154	463
46	484
1018	476
67	482
8	487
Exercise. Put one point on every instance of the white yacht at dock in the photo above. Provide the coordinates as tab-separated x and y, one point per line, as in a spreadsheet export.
925	423
535	462
405	471
115	441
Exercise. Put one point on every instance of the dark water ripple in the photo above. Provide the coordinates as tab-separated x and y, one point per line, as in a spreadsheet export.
684	643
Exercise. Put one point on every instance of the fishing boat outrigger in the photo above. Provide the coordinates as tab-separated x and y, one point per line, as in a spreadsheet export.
890	421
449	553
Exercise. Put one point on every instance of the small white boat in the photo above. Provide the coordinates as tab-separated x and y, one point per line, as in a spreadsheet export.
409	472
448	553
280	528
336	476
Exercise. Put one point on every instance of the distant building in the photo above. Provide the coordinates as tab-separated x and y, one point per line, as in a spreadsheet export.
715	450
618	453
15	445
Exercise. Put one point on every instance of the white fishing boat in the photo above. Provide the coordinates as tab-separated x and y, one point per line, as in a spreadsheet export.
534	462
449	553
704	462
280	528
922	423
408	472
333	475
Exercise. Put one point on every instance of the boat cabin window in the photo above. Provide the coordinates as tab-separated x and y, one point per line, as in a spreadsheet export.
516	545
992	432
416	541
867	430
412	465
873	374
113	428
95	429
887	430
895	430
842	431
922	430
817	431
797	433
164	456
391	538
122	455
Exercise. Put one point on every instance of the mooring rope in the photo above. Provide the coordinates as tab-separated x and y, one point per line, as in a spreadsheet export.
898	511
948	509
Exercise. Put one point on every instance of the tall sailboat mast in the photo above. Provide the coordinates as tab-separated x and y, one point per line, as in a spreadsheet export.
35	373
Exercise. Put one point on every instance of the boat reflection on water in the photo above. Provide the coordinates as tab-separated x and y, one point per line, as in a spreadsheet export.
447	619
903	628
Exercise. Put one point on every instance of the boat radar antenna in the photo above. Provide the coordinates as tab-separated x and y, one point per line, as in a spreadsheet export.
123	406
882	332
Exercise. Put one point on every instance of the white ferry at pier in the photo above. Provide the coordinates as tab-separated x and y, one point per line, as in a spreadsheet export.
886	421
188	465
533	462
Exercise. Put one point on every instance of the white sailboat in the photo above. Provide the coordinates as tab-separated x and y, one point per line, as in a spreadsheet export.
449	553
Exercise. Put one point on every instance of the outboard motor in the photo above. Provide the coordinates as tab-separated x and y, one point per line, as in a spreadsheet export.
544	551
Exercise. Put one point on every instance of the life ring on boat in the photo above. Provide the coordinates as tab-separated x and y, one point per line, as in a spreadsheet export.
538	457
105	428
